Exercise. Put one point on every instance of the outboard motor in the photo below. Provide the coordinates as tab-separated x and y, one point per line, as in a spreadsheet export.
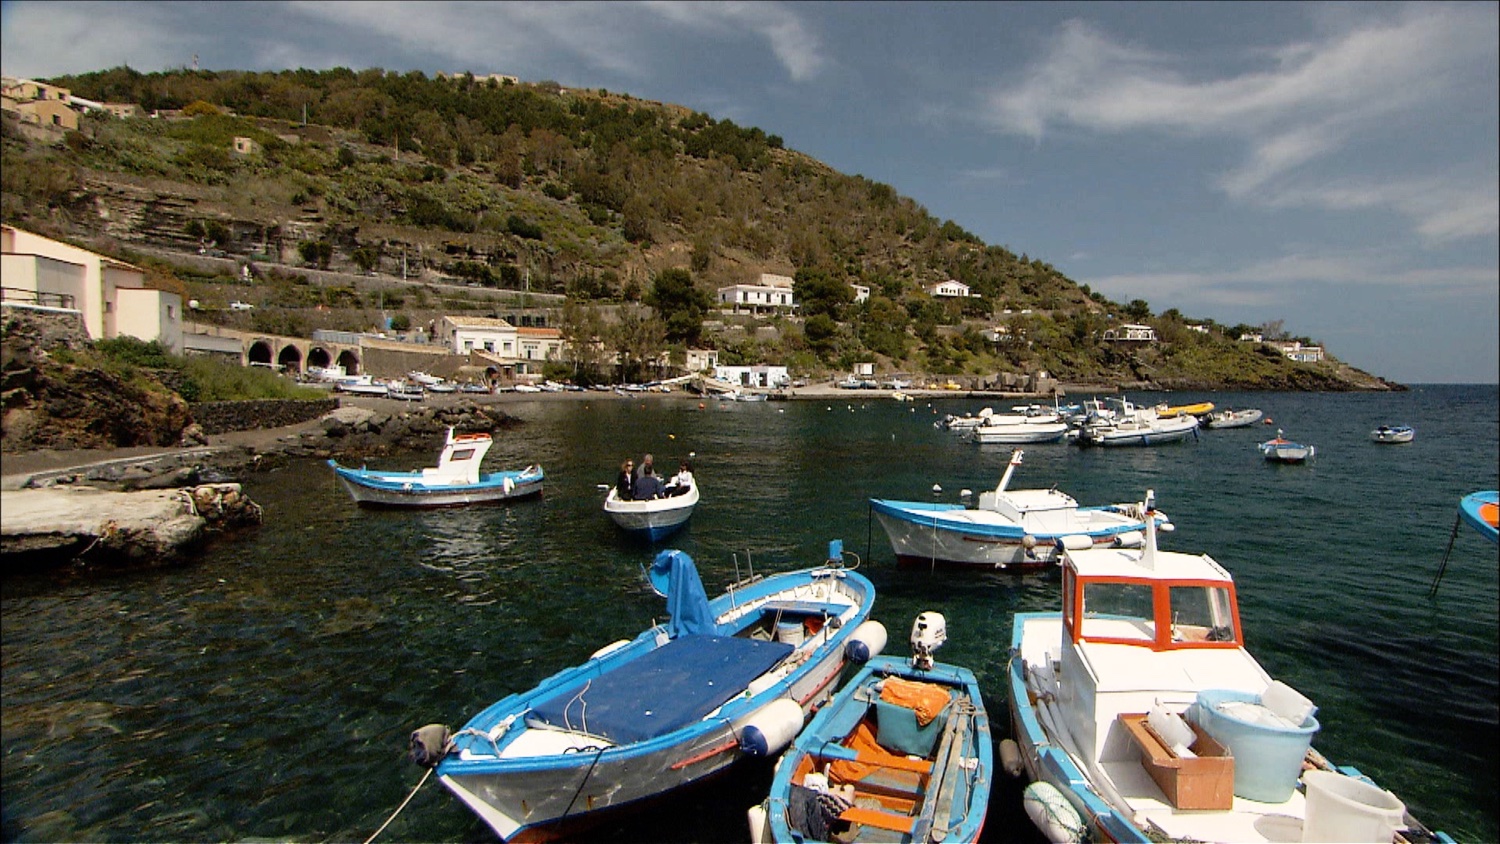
928	633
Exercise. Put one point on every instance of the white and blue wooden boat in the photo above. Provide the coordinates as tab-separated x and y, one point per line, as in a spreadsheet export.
1282	450
654	518
456	480
1393	434
902	753
1130	425
1142	717
405	391
1020	528
1481	511
720	681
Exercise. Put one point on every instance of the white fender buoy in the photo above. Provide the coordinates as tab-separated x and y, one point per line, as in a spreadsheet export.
770	728
1075	542
1052	813
609	648
868	640
1010	757
760	824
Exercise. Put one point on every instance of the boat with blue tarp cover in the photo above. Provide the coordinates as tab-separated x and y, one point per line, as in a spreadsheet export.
902	753
719	681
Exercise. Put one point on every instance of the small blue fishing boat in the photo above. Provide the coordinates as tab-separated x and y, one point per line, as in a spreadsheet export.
902	753
1481	510
720	681
1282	450
456	480
653	519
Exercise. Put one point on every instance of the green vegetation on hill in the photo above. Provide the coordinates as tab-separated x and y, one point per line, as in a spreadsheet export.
613	202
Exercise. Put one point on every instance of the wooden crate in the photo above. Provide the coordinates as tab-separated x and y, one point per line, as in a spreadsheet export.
1206	782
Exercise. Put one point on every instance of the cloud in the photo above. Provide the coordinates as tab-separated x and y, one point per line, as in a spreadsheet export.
791	41
1297	113
494	37
97	36
1280	279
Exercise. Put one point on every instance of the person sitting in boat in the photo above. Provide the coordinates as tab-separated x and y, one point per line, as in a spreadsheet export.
648	485
682	481
625	483
646	463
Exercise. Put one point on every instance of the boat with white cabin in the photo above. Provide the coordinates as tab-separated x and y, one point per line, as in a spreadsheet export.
1006	528
456	480
1139	716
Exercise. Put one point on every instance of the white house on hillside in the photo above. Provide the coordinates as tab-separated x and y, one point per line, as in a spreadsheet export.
111	296
771	293
465	334
952	288
1131	333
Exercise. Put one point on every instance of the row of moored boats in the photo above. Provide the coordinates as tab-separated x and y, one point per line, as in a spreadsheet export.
1137	714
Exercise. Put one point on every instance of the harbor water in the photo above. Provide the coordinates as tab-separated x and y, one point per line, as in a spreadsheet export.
267	690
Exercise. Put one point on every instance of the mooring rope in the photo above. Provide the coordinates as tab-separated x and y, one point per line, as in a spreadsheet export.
413	793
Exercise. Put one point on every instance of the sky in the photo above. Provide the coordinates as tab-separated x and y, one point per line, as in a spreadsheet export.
1333	166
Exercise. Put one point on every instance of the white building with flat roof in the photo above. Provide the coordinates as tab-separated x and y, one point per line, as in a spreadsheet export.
110	296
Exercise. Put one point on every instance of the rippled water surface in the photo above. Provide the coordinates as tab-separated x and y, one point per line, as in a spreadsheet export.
267	690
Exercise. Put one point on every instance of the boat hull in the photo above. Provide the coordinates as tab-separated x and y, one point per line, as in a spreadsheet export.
654	519
953	797
923	534
1175	429
1392	435
405	489
1020	434
1292	454
524	795
1233	419
1481	511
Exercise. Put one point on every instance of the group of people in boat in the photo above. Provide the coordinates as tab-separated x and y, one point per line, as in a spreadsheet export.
641	483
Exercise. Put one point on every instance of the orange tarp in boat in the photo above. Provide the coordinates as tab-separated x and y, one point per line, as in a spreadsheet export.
926	699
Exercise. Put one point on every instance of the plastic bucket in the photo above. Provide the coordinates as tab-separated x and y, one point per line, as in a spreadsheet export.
789	632
1341	808
1267	757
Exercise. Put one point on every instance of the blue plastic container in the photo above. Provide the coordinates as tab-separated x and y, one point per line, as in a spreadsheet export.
1267	757
899	732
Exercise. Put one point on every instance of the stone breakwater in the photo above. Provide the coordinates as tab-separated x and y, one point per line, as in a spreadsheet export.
84	526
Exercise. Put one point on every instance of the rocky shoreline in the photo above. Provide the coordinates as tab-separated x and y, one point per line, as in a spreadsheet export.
159	507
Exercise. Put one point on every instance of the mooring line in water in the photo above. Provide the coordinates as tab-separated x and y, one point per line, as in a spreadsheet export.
388	820
1452	536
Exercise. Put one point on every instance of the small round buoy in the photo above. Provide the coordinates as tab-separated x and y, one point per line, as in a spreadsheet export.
671	436
700	405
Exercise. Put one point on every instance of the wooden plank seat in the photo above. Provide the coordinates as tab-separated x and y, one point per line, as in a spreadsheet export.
833	752
879	819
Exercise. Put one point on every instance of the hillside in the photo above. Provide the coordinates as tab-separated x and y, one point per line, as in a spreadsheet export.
423	196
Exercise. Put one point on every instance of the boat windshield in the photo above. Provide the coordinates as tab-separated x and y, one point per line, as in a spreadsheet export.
1163	615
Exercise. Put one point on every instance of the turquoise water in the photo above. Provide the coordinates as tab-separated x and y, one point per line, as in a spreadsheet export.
267	691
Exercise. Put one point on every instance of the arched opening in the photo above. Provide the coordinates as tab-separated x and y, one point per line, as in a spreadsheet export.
349	361
289	362
319	357
259	353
